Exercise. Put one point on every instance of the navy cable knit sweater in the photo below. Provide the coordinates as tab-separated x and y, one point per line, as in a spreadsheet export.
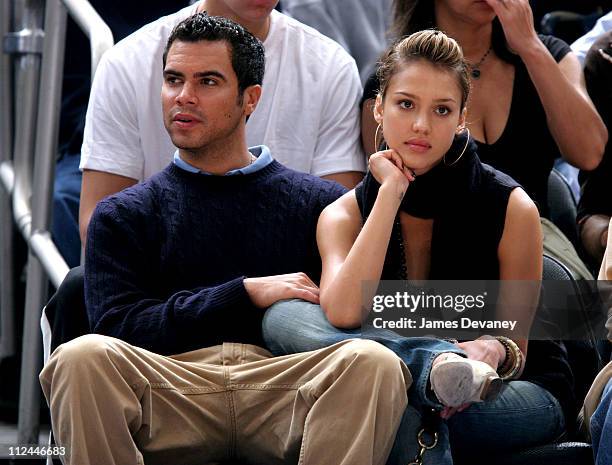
166	259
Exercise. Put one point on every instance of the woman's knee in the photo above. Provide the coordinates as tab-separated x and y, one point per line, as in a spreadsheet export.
291	326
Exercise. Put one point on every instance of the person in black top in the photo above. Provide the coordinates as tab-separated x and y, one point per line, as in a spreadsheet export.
429	209
527	103
595	207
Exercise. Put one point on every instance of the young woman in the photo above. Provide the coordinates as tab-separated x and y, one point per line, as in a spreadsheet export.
528	103
429	209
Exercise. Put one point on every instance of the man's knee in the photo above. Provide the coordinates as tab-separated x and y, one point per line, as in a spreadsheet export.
79	357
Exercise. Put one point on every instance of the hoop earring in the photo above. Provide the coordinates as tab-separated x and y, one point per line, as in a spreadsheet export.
376	143
462	152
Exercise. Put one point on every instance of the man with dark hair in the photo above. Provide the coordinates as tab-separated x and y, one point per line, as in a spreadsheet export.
248	61
309	117
186	263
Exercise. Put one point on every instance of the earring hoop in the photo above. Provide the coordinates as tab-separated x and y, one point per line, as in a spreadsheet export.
376	143
467	141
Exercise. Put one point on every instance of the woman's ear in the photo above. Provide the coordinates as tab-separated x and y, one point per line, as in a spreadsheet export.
378	110
462	121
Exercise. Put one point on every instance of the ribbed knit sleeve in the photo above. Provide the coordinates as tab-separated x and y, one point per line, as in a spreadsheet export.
121	287
166	259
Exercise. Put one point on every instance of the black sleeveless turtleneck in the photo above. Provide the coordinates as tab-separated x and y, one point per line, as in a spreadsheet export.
467	201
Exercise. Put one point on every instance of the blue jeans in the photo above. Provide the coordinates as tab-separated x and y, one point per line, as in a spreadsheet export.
523	415
601	428
570	173
66	196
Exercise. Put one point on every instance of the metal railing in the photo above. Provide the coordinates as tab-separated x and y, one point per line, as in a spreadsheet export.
38	51
7	315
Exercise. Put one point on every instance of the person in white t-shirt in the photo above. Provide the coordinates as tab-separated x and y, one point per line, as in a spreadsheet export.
308	114
582	45
360	26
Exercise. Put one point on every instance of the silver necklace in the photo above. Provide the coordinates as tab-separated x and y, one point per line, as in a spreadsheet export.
475	69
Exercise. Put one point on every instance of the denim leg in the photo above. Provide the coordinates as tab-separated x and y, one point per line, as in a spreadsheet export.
66	196
524	415
570	173
601	428
292	326
406	447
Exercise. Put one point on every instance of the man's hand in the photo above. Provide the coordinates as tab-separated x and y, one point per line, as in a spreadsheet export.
268	290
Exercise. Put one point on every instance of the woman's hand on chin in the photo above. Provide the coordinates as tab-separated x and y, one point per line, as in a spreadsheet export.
388	169
516	19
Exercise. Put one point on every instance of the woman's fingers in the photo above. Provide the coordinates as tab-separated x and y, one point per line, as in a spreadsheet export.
495	5
461	408
516	19
397	160
448	412
409	174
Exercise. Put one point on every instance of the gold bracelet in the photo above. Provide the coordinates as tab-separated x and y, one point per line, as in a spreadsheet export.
514	359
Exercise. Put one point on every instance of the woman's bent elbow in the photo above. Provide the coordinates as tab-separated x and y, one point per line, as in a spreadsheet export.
590	156
341	316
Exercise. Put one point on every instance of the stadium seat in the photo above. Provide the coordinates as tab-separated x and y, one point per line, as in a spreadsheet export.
563	207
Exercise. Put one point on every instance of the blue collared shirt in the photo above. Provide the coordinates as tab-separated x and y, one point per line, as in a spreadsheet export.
261	152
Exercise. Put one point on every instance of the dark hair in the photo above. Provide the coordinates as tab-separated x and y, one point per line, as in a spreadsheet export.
247	52
431	46
410	16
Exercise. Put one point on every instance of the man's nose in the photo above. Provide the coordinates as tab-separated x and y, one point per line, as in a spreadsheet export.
187	94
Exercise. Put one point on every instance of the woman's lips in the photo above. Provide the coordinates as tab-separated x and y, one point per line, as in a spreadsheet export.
418	145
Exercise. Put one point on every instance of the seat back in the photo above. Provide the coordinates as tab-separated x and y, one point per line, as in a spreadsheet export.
65	314
554	270
562	207
568	25
583	355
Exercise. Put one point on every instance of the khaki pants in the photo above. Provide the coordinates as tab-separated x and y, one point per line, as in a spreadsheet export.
115	404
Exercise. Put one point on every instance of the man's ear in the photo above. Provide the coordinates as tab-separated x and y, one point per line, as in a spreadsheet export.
378	109
251	97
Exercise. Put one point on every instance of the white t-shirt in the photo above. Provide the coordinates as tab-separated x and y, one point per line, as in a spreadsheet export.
360	26
583	44
308	114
